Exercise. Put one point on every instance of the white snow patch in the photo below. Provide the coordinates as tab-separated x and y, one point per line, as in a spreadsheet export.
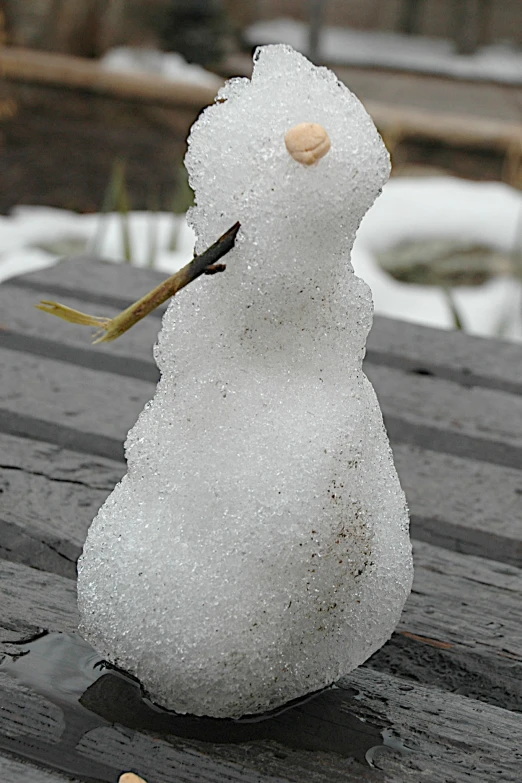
31	237
408	208
344	46
489	214
169	65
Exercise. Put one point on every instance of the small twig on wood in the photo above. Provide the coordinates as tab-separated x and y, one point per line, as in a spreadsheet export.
427	640
112	328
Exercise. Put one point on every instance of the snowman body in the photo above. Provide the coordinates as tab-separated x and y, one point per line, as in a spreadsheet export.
258	548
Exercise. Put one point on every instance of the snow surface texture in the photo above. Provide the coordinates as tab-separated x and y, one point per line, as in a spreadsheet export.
258	547
497	62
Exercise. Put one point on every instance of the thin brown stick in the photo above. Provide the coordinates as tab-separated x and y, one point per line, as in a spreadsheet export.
112	328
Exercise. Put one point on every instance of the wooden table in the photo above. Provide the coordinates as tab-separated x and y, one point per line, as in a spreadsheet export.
446	691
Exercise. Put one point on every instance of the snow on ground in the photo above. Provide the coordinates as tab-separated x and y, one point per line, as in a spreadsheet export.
486	213
393	50
35	237
170	65
408	209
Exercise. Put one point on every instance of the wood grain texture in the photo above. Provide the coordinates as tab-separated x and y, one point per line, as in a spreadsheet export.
452	406
462	504
434	413
25	713
48	498
451	355
97	752
14	771
447	737
70	406
28	330
90	279
33	601
486	415
452	738
437	733
460	628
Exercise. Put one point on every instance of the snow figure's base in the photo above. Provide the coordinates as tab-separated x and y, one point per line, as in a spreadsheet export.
66	671
257	549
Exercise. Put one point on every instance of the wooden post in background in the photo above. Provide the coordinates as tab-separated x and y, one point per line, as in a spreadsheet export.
409	21
470	20
315	22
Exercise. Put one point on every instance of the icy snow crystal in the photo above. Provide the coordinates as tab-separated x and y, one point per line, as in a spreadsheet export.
258	548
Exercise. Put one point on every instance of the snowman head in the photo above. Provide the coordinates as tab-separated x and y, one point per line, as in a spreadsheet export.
249	157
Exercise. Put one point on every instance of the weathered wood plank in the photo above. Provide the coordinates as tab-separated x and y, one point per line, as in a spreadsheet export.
442	736
440	733
460	628
33	601
13	771
59	465
49	495
484	414
48	498
451	738
462	504
102	754
26	713
459	632
455	356
68	405
442	415
442	729
26	329
91	280
408	346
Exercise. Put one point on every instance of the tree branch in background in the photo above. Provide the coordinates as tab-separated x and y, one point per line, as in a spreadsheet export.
112	328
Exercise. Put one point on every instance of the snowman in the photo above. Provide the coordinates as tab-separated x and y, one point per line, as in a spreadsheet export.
257	549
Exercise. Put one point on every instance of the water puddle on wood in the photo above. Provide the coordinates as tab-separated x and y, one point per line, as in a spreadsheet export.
91	694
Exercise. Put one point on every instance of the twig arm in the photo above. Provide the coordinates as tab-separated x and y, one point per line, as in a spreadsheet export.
170	287
112	328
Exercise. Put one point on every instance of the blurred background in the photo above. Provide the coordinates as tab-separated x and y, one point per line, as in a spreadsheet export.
97	98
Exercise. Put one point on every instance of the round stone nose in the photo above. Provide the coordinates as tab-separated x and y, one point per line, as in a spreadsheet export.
307	142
